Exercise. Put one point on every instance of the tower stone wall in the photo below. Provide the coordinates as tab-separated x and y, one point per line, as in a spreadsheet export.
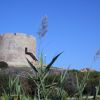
12	48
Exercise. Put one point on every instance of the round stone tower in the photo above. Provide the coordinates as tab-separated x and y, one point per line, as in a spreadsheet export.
13	46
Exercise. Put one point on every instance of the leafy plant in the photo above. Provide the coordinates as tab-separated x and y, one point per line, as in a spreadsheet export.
43	89
62	94
15	91
80	85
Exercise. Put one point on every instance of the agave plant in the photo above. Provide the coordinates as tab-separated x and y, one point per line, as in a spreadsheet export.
81	85
43	90
15	91
14	86
61	93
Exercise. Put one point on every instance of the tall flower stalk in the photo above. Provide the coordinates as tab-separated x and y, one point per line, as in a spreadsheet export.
43	28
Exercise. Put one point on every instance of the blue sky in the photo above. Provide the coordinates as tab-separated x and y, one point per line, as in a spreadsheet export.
73	27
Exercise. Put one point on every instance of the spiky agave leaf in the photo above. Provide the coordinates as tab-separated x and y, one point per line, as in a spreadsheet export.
63	76
97	89
33	67
77	82
51	85
52	62
41	60
81	85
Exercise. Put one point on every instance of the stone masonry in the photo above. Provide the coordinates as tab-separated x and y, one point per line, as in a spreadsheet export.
12	48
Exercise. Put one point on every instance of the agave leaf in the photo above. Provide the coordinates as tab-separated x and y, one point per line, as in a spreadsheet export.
30	76
83	83
41	60
44	76
43	87
33	67
51	85
97	89
51	63
77	82
63	76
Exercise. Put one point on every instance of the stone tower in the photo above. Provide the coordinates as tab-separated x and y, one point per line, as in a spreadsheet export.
12	48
